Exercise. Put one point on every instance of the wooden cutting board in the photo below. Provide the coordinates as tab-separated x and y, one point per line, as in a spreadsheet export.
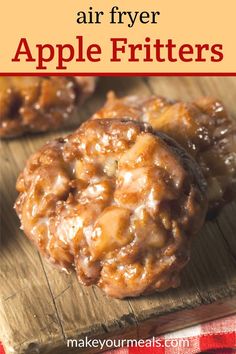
40	307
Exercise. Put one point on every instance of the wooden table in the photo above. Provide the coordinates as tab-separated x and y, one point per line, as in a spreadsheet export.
41	307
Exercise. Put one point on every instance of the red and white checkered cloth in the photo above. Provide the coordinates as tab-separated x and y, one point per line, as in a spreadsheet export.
215	337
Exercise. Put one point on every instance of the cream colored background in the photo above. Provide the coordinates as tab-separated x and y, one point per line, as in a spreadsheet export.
184	21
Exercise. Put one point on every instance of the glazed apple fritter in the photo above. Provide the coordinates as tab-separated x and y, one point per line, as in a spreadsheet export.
202	127
117	201
40	104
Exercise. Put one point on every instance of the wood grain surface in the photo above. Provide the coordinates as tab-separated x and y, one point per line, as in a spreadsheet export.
40	307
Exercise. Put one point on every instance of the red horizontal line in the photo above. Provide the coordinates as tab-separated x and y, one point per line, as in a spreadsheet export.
117	74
